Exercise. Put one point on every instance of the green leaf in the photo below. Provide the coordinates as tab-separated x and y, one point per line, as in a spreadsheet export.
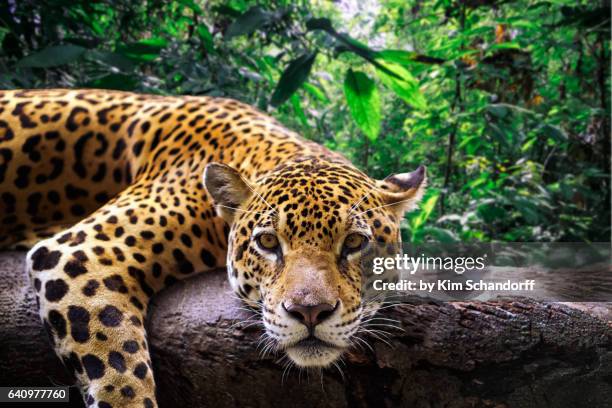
470	143
143	50
316	92
153	44
441	234
206	37
319	24
356	47
348	43
401	81
427	208
292	78
114	81
498	110
264	68
297	108
504	46
528	144
397	56
111	59
52	56
555	132
407	58
364	102
248	22
226	10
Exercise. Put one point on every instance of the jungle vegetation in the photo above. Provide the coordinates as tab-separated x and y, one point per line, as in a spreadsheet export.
507	102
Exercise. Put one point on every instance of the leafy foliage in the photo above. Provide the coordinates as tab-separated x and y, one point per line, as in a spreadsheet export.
292	78
506	102
364	102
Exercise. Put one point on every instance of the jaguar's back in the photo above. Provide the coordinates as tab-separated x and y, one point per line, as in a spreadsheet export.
65	153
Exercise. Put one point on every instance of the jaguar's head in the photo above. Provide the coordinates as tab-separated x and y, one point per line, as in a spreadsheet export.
294	244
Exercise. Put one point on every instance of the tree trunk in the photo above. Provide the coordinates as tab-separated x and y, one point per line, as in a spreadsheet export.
511	353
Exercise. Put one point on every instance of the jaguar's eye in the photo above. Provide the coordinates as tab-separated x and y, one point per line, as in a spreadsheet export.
353	243
267	241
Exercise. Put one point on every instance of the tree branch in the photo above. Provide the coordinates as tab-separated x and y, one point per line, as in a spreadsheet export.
515	353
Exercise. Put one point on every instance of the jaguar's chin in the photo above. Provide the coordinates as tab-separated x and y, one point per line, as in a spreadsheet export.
313	352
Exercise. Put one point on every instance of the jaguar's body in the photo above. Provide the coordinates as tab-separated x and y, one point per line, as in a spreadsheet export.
115	194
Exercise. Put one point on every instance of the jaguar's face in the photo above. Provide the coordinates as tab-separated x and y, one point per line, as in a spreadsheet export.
294	248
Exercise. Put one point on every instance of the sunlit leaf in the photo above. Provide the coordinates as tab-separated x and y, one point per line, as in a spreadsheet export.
316	92
403	84
397	56
364	102
143	50
297	108
426	208
528	144
504	46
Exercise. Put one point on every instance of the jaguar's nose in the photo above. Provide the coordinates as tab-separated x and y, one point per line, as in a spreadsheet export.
310	316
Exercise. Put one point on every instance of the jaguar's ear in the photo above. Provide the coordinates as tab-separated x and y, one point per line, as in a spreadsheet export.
402	192
227	187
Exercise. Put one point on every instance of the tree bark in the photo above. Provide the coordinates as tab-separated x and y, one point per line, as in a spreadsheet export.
510	353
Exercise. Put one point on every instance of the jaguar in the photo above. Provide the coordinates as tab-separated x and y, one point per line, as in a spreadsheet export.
118	195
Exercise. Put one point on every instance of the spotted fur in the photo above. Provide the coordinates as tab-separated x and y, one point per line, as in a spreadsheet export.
119	195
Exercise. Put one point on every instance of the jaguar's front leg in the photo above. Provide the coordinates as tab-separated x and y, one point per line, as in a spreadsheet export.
94	316
94	281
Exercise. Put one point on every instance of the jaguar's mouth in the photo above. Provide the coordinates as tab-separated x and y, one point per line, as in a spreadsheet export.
313	352
313	342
